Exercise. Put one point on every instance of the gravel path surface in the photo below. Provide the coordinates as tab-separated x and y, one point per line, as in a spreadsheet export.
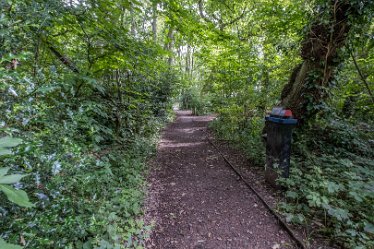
195	201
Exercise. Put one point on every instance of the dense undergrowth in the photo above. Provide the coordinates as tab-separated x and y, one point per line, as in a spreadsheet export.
85	175
84	101
84	197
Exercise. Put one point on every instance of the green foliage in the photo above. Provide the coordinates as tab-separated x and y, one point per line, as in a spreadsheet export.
87	91
16	196
98	205
333	190
193	99
234	124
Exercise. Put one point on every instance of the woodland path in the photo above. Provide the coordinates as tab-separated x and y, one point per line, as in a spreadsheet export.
196	201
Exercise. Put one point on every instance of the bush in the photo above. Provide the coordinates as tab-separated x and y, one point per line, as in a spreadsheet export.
192	99
85	196
245	131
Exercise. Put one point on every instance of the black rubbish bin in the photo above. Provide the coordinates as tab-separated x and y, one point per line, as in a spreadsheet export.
279	125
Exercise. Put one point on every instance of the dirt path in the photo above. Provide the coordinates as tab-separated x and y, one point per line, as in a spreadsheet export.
196	201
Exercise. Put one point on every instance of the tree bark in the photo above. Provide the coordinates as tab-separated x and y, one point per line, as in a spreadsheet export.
188	60
192	62
308	85
154	20
170	45
133	22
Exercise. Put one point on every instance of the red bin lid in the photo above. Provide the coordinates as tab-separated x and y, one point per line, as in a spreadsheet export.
281	112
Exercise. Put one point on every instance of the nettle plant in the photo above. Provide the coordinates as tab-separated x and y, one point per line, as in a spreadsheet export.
16	196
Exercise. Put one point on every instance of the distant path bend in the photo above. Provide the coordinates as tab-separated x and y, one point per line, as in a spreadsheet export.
197	202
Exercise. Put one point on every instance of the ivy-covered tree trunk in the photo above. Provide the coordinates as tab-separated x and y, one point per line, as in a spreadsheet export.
309	83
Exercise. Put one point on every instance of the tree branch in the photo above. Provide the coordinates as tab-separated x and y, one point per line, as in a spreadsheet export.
221	24
363	78
236	19
201	12
64	60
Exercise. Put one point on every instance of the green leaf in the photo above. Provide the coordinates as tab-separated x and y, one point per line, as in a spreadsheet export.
10	179
4	245
356	196
292	194
6	143
332	187
369	228
4	151
18	197
9	142
46	89
3	171
351	232
339	213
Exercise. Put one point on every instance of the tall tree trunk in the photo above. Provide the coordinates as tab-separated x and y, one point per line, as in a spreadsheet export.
133	22
180	58
188	60
154	20
170	45
192	62
309	82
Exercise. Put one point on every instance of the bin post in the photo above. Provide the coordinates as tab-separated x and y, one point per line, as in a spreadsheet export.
279	125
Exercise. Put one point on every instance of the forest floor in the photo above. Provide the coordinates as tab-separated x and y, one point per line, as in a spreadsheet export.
196	201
